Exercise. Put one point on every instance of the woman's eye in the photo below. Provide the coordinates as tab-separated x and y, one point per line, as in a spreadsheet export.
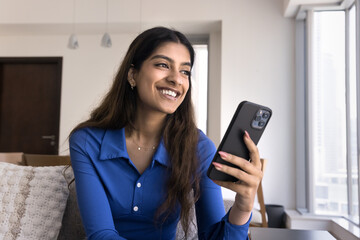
185	72
164	65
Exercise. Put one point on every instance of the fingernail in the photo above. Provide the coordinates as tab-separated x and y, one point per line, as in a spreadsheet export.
247	134
218	166
223	155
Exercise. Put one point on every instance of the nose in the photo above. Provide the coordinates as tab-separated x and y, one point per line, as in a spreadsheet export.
175	77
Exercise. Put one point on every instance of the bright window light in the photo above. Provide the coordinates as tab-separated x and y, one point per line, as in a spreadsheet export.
329	114
200	85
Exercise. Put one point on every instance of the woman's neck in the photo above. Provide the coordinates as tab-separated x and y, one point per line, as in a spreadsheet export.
147	128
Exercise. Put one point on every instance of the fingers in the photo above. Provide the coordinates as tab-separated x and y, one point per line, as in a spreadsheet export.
244	164
253	150
248	174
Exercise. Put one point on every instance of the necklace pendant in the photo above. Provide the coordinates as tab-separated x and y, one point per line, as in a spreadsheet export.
139	148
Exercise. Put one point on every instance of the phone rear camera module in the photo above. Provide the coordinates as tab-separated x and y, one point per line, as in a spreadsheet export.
260	119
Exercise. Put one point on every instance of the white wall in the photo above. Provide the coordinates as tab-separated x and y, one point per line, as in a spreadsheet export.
252	58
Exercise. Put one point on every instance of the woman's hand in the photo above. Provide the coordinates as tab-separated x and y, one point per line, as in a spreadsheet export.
249	179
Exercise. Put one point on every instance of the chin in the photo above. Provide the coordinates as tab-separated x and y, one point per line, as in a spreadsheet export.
169	110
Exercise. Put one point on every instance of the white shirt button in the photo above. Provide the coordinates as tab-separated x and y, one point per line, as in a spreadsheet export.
138	185
136	208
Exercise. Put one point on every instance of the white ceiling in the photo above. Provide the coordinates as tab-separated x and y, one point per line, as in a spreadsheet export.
293	7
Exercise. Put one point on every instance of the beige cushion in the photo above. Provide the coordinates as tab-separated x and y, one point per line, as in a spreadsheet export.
32	201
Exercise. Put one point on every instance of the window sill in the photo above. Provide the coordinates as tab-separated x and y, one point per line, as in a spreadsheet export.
339	227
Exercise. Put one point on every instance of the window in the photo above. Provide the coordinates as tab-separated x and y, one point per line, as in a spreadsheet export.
199	79
331	113
328	114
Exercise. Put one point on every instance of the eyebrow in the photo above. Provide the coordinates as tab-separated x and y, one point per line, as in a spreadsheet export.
170	60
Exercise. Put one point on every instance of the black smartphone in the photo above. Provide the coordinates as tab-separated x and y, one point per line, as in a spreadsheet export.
250	117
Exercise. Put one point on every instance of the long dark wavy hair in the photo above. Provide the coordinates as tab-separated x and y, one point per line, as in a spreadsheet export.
180	133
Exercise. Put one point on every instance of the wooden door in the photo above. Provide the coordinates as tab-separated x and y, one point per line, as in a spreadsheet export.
30	91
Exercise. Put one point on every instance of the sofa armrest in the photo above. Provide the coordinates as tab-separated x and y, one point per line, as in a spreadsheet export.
40	160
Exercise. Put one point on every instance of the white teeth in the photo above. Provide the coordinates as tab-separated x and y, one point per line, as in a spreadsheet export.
169	92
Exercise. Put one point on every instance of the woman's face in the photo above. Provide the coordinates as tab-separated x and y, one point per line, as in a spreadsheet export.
163	79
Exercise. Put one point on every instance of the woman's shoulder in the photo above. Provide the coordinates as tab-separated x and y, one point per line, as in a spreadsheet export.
85	134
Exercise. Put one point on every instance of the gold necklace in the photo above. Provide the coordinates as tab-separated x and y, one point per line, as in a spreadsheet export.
143	148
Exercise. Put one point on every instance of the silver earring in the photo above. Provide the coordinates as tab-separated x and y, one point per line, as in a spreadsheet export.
132	85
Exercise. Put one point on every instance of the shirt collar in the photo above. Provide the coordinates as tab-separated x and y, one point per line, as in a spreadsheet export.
114	146
161	155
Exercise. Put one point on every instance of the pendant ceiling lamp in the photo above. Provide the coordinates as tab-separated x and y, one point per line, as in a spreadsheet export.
106	40
73	41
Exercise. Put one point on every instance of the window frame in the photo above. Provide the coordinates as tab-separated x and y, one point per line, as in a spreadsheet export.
303	43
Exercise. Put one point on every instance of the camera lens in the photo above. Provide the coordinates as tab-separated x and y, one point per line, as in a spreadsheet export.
261	124
265	115
257	118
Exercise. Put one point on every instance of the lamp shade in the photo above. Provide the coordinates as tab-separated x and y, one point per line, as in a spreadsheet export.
73	42
106	41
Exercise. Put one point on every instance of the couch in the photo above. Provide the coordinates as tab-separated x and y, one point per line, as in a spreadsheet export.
37	202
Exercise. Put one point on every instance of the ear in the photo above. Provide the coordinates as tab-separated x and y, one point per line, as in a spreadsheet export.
131	77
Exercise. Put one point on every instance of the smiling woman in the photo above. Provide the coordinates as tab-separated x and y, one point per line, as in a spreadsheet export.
140	162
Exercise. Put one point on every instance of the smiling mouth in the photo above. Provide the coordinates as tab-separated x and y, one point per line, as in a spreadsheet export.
169	92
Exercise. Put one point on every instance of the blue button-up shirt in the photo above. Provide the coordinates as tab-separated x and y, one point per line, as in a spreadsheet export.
117	202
